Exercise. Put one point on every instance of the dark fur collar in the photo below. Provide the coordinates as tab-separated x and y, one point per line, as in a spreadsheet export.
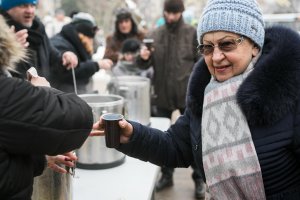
271	90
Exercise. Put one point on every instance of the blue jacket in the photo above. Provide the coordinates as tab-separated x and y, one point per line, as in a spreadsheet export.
269	98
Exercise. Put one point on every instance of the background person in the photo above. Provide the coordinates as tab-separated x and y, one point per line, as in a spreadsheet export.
125	27
20	14
241	124
173	58
78	37
127	65
35	120
53	25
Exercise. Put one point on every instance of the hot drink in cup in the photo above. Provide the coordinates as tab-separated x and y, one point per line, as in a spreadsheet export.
112	129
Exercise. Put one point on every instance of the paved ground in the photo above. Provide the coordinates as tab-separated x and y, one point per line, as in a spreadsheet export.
183	188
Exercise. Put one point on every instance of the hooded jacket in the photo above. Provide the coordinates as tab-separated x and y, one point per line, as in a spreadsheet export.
34	121
268	97
61	78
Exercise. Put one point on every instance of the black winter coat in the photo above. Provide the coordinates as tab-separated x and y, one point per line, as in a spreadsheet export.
35	121
61	78
270	100
41	54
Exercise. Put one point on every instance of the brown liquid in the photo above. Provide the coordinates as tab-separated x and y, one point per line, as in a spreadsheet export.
112	129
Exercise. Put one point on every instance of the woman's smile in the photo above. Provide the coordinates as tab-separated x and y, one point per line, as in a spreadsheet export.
222	69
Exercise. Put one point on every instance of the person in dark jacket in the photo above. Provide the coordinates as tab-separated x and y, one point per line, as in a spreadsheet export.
127	61
125	27
242	122
20	14
173	58
35	120
77	37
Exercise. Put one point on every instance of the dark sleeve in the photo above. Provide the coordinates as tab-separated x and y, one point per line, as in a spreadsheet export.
84	70
296	139
41	120
55	54
22	68
171	148
39	164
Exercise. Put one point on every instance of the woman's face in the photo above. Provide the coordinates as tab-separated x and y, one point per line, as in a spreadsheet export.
227	63
125	26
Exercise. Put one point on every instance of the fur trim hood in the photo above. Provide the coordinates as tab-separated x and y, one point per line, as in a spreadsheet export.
11	51
271	90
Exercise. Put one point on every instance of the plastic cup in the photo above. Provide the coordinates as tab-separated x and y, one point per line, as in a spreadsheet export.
112	129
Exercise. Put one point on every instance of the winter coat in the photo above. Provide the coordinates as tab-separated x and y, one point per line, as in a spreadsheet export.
42	55
270	99
114	45
35	121
173	58
61	78
124	68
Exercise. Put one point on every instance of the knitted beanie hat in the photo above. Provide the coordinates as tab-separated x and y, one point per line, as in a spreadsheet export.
85	23
130	45
238	16
174	6
8	4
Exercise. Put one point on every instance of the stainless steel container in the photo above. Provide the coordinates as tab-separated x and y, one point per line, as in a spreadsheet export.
136	91
52	186
94	154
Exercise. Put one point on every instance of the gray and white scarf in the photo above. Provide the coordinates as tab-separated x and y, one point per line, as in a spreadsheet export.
230	161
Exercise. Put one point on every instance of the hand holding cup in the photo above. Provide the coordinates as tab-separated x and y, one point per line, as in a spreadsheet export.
126	129
112	129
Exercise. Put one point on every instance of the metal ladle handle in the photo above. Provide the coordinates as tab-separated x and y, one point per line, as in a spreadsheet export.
74	80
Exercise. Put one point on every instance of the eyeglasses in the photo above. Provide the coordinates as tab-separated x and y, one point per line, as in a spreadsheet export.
224	46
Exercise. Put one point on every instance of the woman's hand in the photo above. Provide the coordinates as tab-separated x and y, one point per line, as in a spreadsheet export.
55	162
39	81
126	130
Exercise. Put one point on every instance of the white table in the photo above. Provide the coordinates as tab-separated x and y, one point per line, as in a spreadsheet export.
133	180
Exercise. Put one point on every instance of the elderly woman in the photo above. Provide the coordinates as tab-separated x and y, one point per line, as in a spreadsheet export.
35	120
242	122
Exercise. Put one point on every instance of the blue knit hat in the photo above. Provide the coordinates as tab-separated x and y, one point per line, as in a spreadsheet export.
238	16
8	4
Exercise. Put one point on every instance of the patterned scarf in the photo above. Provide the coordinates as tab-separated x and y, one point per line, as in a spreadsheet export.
230	161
